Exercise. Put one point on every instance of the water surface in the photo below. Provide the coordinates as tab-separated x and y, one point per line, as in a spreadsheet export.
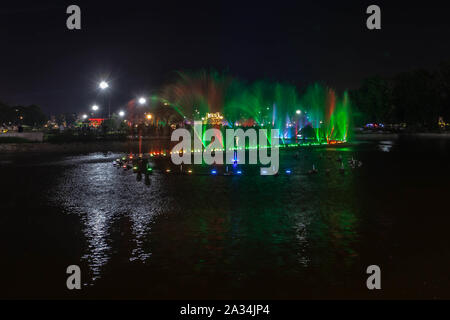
250	236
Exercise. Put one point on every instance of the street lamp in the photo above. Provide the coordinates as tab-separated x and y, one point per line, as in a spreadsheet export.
142	101
298	112
149	116
95	107
103	85
85	116
121	113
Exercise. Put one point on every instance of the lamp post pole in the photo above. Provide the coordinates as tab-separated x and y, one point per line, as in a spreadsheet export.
103	86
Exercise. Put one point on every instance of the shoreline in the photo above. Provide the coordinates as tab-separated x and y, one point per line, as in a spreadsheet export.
78	147
395	136
147	144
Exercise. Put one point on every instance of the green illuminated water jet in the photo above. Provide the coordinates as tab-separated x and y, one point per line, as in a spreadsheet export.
318	115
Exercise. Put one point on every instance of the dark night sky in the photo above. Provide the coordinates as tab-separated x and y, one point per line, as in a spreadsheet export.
138	45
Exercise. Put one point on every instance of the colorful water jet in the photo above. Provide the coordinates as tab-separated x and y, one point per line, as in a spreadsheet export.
318	115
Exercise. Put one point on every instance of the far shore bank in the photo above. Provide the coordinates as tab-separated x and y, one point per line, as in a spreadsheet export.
83	147
163	143
394	136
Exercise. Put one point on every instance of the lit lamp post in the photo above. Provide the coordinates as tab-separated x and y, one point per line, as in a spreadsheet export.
95	122
297	123
122	115
84	117
94	109
142	101
103	86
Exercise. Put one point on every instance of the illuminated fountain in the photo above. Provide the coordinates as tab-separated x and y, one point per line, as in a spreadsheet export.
327	114
318	116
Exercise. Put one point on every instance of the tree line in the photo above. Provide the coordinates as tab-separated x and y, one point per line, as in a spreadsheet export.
417	98
22	115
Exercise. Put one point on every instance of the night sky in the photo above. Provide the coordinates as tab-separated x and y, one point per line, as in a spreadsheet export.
138	45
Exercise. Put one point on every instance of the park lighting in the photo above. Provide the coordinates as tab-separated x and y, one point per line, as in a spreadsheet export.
95	107
121	113
298	112
142	100
103	85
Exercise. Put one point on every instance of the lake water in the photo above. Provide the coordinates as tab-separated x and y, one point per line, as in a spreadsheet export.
201	236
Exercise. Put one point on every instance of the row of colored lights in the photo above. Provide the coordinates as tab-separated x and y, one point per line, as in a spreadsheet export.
291	145
213	171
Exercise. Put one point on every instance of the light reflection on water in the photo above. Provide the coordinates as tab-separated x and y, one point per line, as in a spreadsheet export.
248	236
386	146
101	195
285	221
